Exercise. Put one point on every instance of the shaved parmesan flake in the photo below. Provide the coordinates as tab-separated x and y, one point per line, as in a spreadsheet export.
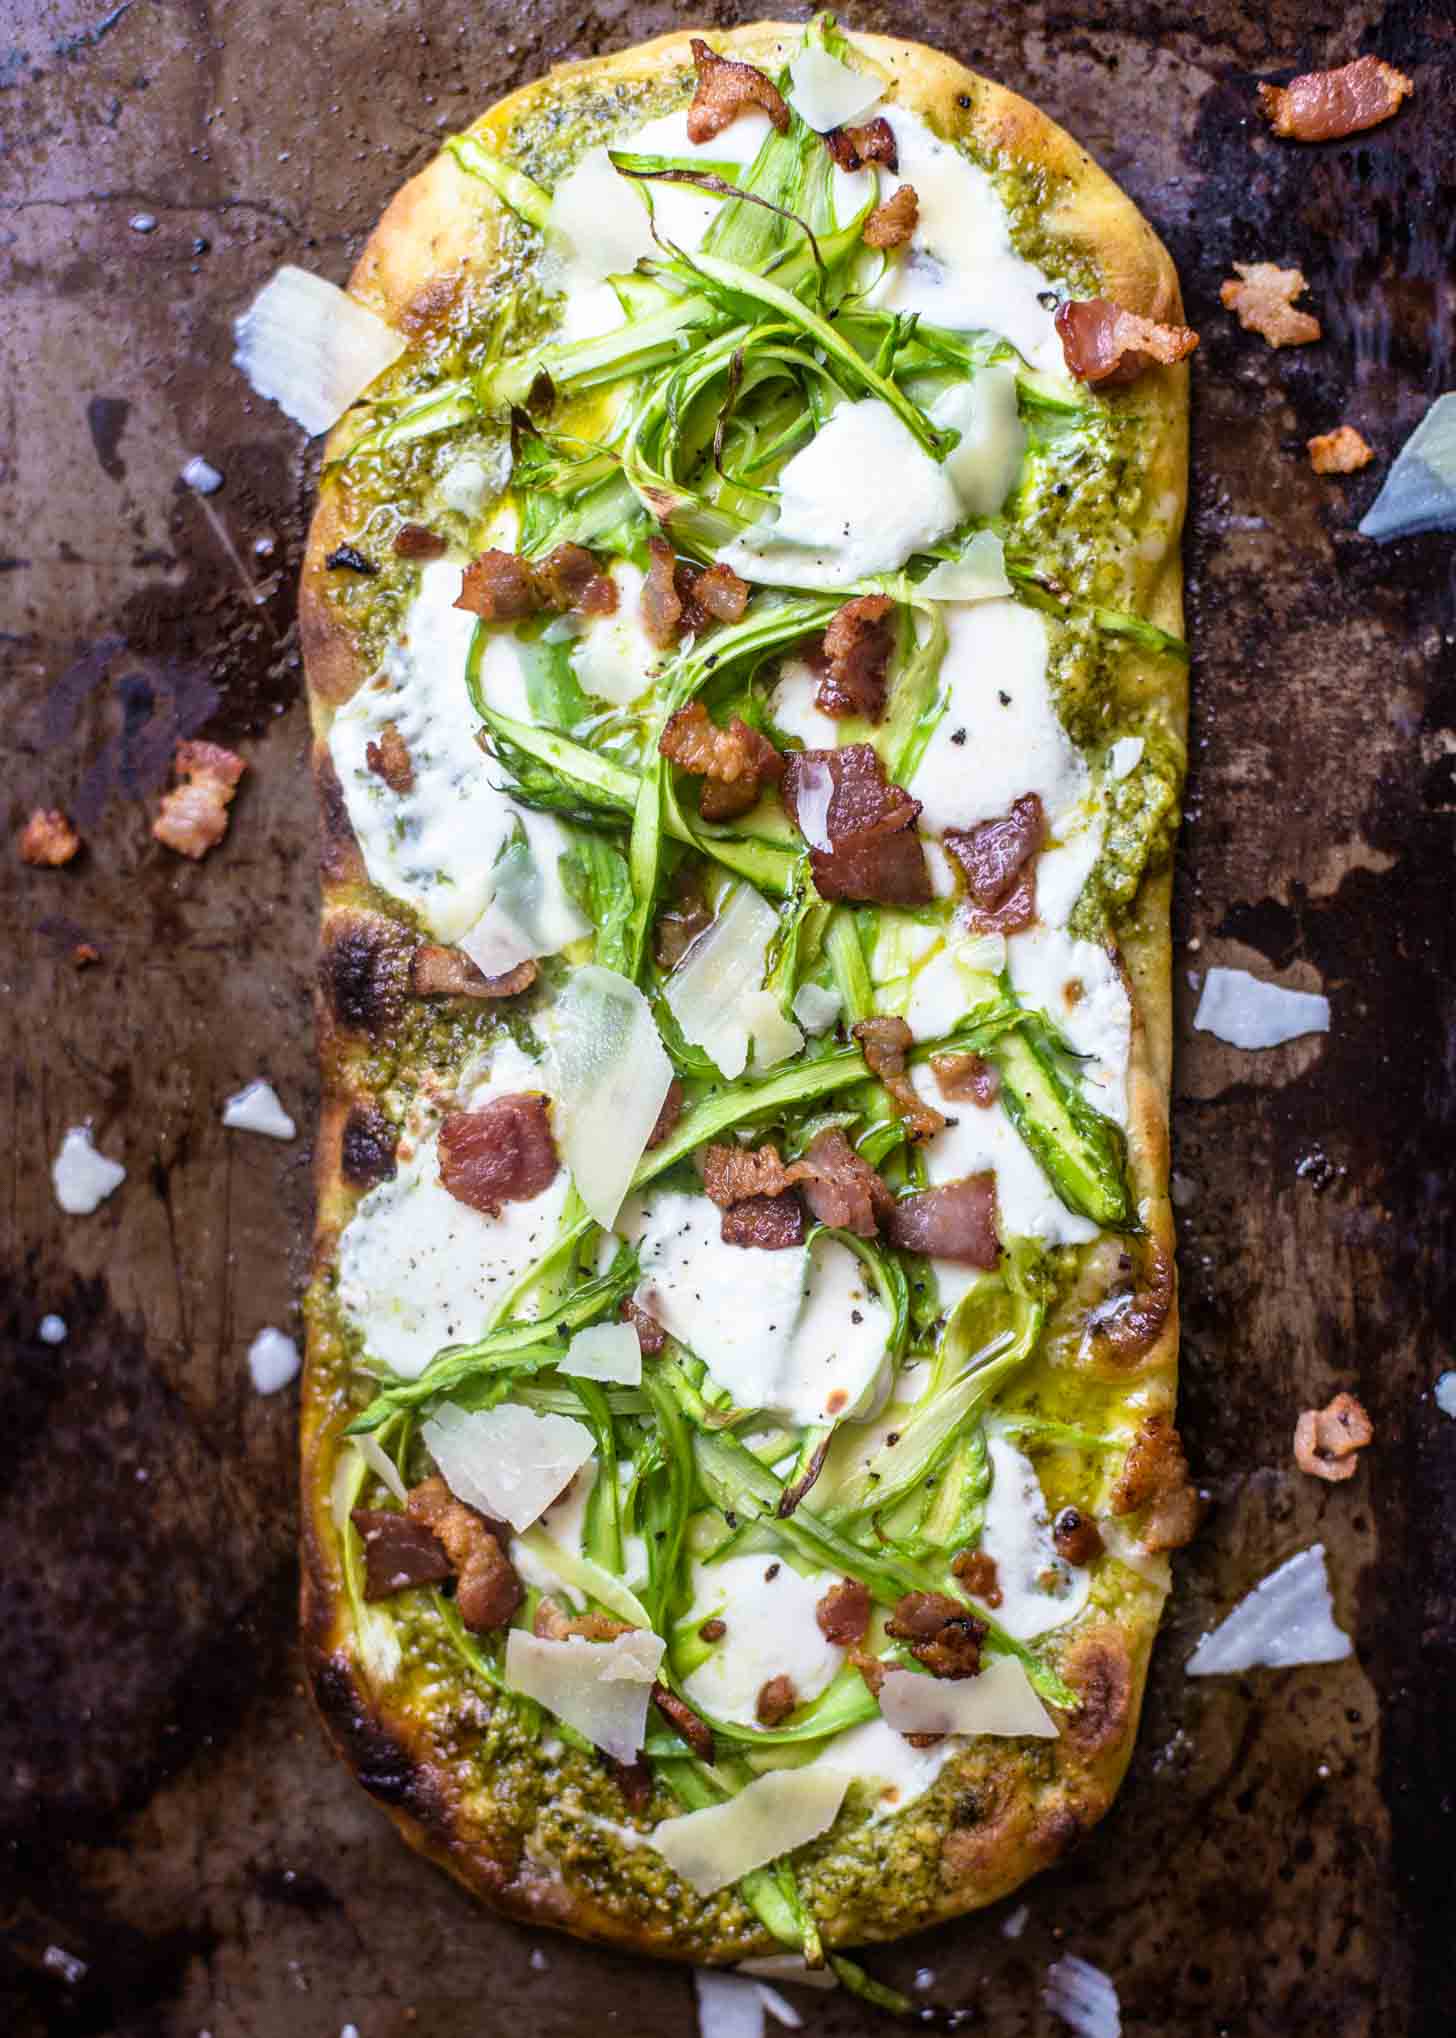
1420	490
1124	756
201	475
272	1360
597	226
978	575
705	991
1445	1386
610	1074
529	914
727	2006
311	349
999	1701
509	1462
826	93
815	1008
381	1465
1288	1618
605	1351
772	1816
1083	1997
600	1688
816	790
788	1967
52	1330
82	1177
255	1108
986	462
782	2011
1247	1012
774	1037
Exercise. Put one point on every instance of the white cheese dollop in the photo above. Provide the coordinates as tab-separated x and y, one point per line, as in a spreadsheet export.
895	1773
256	1108
791	705
272	1360
82	1177
1288	1618
1039	1590
614	658
772	1632
986	461
1246	1011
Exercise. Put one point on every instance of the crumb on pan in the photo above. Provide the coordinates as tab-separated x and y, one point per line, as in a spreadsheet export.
1262	295
1327	1440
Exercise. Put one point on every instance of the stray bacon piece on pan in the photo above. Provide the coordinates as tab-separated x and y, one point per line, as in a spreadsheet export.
966	1079
884	1043
418	541
1103	344
1154	1478
487	1590
725	87
398	1551
48	840
1322	106
860	829
84	953
890	225
388	758
943	1635
999	861
978	1573
857	647
956	1221
1326	1439
1342	451
194	814
734	761
449	972
697	1733
1263	294
503	1153
843	1613
853	147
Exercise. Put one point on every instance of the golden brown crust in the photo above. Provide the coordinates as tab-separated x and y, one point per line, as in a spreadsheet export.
998	1813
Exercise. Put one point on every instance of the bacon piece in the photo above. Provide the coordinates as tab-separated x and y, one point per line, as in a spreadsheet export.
390	760
697	1733
552	1623
449	972
598	597
943	1635
1128	1324
884	1044
194	817
1326	1439
503	1153
84	953
1154	1478
678	926
721	592
651	1336
418	541
1342	451
661	604
48	840
842	1189
1076	1536
633	1779
725	87
978	1573
1263	296
499	586
563	576
1323	106
733	762
843	1613
1103	344
857	647
890	225
861	830
398	1551
770	1223
966	1079
870	1668
732	1174
487	1590
713	1630
679	598
853	147
667	1117
776	1700
999	861
957	1222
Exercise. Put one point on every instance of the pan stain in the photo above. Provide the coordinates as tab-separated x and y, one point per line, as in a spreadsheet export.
106	418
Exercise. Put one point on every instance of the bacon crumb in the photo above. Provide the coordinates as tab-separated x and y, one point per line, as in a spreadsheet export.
776	1701
487	1590
679	924
977	1572
552	1623
890	225
1154	1478
449	972
734	762
1262	295
943	1635
1326	1440
884	1043
870	1668
697	1733
1322	106
853	147
966	1079
48	840
418	541
1076	1536
1103	344
863	843
502	587
713	1630
84	953
667	1117
843	1614
857	647
194	816
954	1221
680	599
768	1223
840	1187
389	759
651	1336
503	1153
398	1551
1342	451
498	586
998	859
725	87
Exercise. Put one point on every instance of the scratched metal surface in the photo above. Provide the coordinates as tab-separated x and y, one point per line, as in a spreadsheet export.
171	1820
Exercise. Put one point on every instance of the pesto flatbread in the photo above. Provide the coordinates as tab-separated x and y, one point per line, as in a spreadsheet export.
749	713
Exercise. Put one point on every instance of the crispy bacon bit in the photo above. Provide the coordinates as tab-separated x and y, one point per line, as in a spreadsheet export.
853	147
1076	1536
1326	1439
697	1733
681	599
390	760
722	593
1154	1478
966	1079
1342	451
499	586
667	1117
48	840
487	1590
1323	106
870	1668
1263	296
771	1223
884	1044
843	1613
864	845
449	972
662	605
552	1623
725	87
1127	1325
943	1635
83	953
732	1174
999	861
890	225
563	576
598	597
776	1700
857	647
651	1336
679	925
418	541
713	1630
194	814
503	1153
842	1189
633	1779
734	761
977	1572
1103	344
398	1551
957	1221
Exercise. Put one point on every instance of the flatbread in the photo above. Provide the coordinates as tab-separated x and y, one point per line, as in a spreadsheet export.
540	1834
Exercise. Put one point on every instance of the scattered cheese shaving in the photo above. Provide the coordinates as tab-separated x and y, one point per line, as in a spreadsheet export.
51	1330
1014	1923
1083	1997
779	2008
529	915
705	993
727	2006
826	93
775	1814
1445	1390
774	1037
272	1360
381	1465
82	1177
815	1008
600	1688
1419	492
1125	754
978	575
202	476
1246	1011
606	1351
999	1701
509	1461
255	1108
610	1074
1288	1618
311	349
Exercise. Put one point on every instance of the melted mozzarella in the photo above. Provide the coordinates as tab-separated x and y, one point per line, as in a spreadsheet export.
801	1331
792	707
772	1632
614	658
1077	985
986	461
1039	1590
419	1270
974	1139
434	846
